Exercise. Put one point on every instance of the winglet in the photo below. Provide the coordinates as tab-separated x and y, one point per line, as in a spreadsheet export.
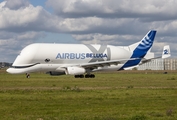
166	51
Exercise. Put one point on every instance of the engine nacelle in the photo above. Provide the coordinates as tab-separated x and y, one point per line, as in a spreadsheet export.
54	73
75	70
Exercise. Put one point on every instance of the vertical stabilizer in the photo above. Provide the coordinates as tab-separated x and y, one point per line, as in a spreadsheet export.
141	48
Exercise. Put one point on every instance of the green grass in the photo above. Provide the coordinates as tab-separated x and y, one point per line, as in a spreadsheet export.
126	95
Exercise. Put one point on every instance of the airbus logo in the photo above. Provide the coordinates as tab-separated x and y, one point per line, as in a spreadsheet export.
94	55
80	55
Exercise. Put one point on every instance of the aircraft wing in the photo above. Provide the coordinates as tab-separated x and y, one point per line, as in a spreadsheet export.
148	60
105	63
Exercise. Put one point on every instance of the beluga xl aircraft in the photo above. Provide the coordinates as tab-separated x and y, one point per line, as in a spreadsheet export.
81	60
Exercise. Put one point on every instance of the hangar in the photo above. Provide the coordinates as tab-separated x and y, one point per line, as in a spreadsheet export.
160	64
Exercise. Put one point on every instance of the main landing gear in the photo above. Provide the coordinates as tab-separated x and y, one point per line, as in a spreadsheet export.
86	76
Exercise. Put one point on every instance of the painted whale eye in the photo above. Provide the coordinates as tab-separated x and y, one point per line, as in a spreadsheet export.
47	60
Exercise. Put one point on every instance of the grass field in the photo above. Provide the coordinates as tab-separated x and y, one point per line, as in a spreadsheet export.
126	95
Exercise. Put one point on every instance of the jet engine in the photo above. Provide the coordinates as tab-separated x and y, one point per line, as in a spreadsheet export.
75	70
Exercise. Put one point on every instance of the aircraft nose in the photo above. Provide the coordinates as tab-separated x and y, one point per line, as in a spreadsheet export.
10	70
15	71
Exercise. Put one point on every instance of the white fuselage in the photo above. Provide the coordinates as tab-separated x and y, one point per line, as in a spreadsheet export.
78	59
56	57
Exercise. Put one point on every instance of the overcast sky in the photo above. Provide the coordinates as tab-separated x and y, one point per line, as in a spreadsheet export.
115	22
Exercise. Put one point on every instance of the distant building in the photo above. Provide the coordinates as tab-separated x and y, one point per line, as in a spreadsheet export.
170	64
160	64
4	64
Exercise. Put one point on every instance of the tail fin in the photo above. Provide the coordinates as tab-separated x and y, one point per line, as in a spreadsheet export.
166	51
140	49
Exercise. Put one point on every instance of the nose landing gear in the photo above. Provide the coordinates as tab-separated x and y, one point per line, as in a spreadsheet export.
27	75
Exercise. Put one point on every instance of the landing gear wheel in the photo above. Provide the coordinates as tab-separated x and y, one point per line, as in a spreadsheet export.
86	76
89	76
27	75
79	76
76	76
92	76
